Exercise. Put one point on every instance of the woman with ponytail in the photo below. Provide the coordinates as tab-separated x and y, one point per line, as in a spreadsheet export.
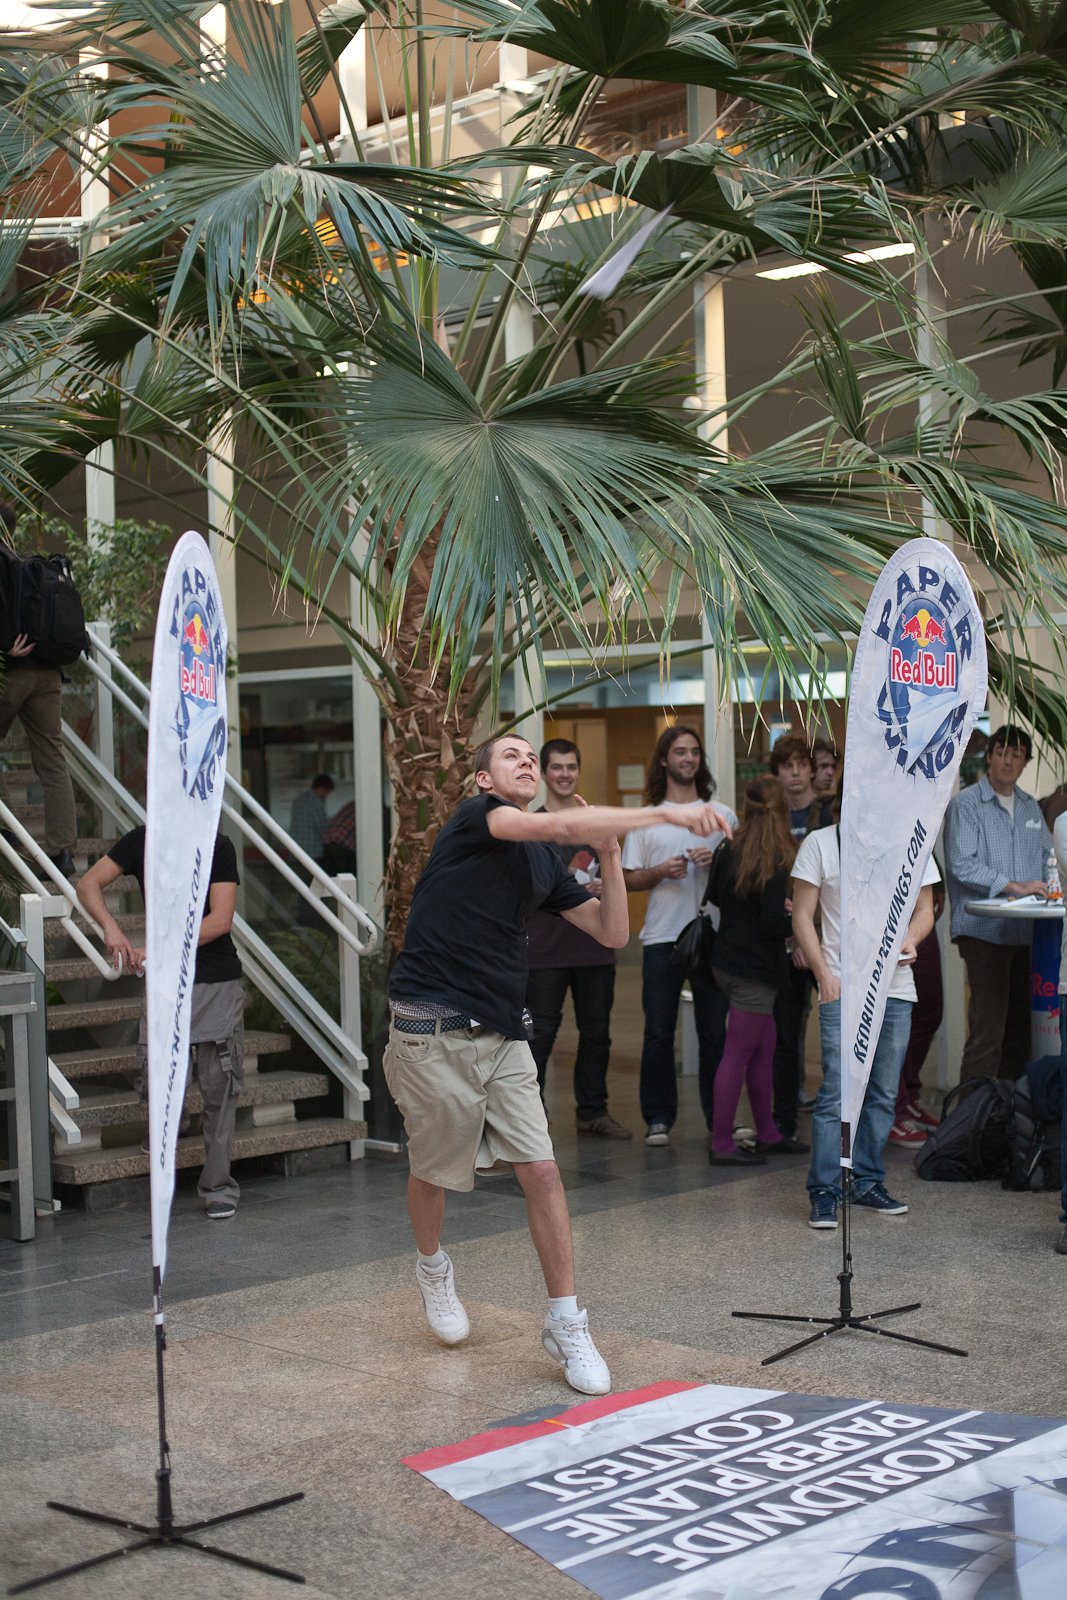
749	884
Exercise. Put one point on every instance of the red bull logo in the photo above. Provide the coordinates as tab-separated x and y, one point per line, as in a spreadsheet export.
924	672
923	629
195	634
197	669
912	662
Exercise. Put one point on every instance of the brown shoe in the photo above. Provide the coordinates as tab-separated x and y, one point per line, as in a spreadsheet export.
605	1127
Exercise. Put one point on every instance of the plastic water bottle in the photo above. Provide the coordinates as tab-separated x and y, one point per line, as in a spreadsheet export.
1053	887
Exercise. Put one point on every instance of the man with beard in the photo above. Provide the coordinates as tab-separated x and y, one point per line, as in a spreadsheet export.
674	869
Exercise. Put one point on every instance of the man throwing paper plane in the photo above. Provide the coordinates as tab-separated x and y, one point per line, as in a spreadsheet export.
458	1062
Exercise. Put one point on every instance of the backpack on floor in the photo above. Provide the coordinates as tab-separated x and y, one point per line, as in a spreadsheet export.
1034	1138
971	1141
38	597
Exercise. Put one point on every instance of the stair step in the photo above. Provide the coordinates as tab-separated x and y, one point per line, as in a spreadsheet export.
32	816
94	1013
131	922
104	1059
114	1108
72	969
128	1161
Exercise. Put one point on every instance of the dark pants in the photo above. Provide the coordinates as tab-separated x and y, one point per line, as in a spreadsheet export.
998	1009
790	1016
926	1016
660	995
34	694
592	991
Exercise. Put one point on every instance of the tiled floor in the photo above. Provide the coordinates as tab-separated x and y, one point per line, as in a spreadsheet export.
298	1358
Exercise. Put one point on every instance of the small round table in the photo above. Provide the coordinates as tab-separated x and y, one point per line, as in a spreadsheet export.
1044	964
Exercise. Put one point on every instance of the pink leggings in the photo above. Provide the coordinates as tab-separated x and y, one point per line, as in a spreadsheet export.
747	1061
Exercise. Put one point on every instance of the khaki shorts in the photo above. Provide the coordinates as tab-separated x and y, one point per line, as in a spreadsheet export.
468	1099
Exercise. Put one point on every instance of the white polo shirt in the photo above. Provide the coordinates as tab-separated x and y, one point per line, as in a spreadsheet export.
819	862
673	901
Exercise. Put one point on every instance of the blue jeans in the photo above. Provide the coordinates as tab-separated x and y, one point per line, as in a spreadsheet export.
879	1103
1063	1113
661	992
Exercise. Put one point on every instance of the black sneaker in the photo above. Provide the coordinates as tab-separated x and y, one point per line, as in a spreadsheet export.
823	1209
877	1198
658	1134
604	1127
787	1146
63	861
739	1156
220	1210
1060	1246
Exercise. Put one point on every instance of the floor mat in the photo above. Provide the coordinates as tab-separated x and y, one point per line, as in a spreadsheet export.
729	1494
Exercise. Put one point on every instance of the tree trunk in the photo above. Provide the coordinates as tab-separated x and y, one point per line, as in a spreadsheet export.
427	751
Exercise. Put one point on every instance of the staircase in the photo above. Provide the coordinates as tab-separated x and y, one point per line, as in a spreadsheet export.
92	1031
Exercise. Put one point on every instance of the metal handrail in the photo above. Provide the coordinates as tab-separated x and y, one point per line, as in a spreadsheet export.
58	887
306	1017
327	885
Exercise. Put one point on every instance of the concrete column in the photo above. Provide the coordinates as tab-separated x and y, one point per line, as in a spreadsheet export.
352	72
221	522
710	394
100	463
367	773
947	1048
529	683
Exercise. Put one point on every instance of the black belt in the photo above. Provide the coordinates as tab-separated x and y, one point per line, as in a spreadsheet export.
453	1024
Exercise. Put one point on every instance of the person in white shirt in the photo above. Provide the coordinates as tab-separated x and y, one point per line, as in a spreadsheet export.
673	867
817	886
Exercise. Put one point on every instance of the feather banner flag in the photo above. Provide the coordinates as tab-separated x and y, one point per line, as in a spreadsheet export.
918	688
187	738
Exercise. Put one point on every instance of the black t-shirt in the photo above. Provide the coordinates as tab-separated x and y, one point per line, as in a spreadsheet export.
555	942
466	935
816	814
217	961
753	928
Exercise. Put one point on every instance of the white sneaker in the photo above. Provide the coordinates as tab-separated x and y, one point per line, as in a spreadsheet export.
568	1341
444	1312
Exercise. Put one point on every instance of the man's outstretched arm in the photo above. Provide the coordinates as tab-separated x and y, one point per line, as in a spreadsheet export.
584	824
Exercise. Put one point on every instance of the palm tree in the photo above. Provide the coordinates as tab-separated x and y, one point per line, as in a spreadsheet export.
348	321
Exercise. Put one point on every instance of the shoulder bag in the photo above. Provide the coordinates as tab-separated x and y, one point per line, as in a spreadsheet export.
692	949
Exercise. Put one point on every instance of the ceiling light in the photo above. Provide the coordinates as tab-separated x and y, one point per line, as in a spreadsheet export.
804	269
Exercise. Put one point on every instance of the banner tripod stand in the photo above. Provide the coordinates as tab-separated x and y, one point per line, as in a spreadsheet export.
165	1532
846	1320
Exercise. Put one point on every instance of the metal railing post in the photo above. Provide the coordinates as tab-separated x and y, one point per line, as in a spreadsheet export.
31	921
351	1007
104	720
17	1006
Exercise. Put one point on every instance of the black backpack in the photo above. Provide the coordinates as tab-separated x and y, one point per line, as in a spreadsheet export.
1034	1138
971	1141
38	597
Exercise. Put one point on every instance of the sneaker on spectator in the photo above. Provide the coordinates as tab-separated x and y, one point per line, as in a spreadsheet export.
805	1101
568	1341
1060	1246
604	1127
220	1210
658	1133
908	1133
743	1134
444	1312
921	1115
787	1145
823	1209
877	1198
